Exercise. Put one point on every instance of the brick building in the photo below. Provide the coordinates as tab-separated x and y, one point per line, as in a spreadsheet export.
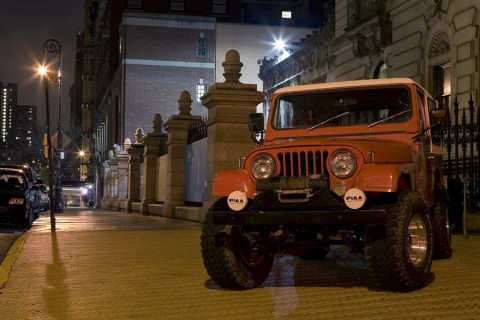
137	56
18	129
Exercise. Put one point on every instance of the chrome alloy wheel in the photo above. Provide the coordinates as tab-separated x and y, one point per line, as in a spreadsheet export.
417	240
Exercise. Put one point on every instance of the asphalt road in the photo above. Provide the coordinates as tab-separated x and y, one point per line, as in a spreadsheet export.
8	236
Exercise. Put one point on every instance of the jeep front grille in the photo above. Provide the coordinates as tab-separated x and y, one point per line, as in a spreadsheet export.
303	163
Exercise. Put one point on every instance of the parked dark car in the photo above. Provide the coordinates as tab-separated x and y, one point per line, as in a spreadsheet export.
45	197
17	198
32	178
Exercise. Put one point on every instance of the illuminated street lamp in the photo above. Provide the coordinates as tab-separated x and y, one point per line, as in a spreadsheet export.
81	153
282	49
43	72
53	46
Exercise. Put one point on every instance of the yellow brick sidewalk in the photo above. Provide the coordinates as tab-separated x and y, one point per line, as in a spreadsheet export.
158	274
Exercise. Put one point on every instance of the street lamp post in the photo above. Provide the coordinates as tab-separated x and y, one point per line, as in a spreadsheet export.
81	153
49	150
53	46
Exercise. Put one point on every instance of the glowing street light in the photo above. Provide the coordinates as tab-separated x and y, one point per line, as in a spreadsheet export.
42	70
280	45
82	154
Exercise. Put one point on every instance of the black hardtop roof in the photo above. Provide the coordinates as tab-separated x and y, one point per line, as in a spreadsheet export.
6	170
26	168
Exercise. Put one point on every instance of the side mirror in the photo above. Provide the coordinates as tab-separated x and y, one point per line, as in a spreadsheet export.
439	114
256	127
255	122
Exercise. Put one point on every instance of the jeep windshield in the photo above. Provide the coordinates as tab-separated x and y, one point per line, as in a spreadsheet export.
366	107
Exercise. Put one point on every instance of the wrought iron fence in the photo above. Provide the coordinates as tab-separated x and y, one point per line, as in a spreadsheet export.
197	131
461	141
196	163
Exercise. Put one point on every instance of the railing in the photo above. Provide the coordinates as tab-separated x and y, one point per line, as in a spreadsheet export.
461	140
466	182
197	131
196	163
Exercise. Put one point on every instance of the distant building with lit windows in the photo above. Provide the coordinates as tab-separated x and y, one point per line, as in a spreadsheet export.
8	96
23	130
19	140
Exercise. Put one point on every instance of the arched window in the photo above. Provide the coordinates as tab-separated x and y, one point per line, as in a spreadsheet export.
439	56
442	86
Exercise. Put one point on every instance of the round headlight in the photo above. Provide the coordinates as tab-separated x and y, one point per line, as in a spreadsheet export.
263	166
343	164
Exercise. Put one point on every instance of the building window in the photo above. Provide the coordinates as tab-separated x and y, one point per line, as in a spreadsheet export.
201	89
219	6
201	46
442	85
177	5
135	4
286	14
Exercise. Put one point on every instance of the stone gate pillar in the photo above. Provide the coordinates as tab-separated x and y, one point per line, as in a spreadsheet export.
122	189
106	186
229	105
177	130
135	153
113	182
152	142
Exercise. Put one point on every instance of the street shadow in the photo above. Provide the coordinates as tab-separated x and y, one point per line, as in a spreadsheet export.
56	292
339	269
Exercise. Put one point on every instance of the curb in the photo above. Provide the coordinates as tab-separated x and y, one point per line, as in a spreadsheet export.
10	259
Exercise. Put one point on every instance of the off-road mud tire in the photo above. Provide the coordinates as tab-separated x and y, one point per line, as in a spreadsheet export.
36	215
225	255
399	253
442	233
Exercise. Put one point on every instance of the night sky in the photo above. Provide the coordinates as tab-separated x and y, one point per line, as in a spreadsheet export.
24	27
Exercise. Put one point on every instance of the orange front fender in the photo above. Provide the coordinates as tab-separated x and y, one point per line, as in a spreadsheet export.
379	178
233	180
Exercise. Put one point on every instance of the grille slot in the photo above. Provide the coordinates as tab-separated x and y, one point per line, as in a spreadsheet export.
302	163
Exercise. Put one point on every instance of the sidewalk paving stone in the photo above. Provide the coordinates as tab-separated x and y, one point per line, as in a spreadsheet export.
159	274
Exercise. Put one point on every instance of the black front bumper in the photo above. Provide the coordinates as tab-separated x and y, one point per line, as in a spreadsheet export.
12	214
321	217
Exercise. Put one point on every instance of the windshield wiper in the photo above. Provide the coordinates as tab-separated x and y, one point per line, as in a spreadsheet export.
387	118
328	120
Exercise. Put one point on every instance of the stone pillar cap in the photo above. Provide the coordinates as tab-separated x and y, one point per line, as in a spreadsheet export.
232	66
185	103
